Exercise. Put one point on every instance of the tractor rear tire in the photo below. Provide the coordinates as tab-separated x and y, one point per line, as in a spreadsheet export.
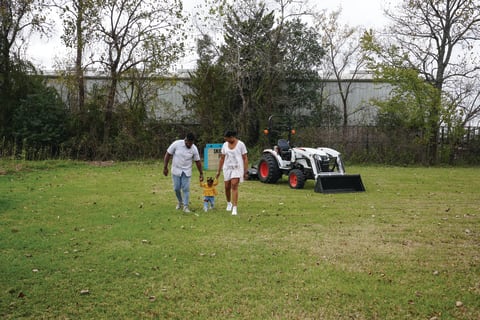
296	179
268	170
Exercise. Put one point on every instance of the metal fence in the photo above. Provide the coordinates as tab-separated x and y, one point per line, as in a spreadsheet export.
394	146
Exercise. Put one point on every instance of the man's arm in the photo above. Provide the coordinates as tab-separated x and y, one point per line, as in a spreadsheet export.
166	159
199	167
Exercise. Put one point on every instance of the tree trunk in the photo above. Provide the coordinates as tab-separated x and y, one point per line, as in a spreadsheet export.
5	88
109	109
434	127
78	61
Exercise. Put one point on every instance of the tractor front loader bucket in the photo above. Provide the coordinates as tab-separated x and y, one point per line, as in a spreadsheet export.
339	183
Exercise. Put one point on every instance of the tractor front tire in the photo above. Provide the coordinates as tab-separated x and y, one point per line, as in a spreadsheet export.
268	171
296	179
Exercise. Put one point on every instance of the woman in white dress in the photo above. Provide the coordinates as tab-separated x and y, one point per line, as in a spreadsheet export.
234	162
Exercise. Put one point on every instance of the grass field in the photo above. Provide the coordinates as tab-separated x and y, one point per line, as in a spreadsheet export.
104	241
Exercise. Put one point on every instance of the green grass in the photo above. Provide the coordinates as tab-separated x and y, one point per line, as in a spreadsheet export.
83	241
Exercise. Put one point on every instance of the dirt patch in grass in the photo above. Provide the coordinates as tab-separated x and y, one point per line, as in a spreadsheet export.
11	168
352	248
101	163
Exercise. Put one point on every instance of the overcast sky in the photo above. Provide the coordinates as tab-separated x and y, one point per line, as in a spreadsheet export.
367	13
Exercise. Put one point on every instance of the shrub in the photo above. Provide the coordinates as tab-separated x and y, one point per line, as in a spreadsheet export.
39	122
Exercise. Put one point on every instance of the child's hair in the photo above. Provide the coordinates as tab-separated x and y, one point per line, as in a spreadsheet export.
209	180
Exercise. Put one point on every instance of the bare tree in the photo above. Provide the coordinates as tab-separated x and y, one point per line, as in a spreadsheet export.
79	17
137	34
344	59
437	39
465	98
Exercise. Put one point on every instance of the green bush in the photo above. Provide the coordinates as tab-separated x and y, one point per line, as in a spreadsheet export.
39	122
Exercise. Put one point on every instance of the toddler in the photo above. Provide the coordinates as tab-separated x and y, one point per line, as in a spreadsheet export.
209	193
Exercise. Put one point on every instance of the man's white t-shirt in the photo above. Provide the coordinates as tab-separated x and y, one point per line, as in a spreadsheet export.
183	157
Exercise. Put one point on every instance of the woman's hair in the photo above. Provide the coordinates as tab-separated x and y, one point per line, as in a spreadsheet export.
230	133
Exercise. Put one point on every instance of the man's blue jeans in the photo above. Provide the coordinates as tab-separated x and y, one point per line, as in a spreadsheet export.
182	184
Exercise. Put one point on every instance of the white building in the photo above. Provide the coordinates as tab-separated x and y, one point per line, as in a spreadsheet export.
168	102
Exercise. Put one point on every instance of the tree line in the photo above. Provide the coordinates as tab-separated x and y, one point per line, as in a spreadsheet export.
254	58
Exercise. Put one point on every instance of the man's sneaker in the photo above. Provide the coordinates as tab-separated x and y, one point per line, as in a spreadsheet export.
229	206
179	206
234	211
205	209
186	210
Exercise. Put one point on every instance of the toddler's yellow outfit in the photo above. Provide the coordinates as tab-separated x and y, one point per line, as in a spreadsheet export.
209	193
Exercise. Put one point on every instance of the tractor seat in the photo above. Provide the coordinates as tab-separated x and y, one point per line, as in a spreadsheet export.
284	148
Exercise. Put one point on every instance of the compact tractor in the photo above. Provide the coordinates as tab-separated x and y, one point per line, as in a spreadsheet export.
324	165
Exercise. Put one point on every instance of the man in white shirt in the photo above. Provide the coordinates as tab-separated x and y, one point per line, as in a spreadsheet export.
183	154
